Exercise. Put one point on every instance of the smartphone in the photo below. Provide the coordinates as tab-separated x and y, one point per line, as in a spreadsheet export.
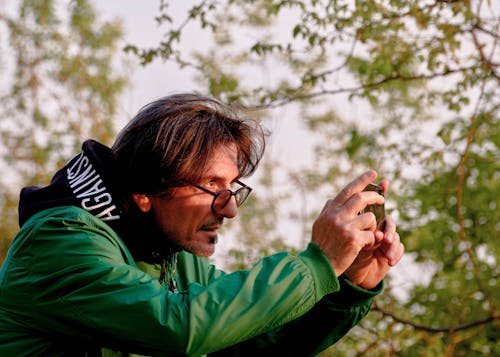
378	210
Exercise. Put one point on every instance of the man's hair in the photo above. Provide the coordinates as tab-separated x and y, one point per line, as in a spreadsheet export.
169	142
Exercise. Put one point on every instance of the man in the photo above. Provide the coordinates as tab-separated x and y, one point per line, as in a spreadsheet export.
72	282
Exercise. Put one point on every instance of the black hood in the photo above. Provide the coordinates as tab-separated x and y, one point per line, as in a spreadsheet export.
84	182
89	181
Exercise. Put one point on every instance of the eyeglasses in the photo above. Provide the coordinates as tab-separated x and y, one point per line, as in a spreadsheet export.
222	197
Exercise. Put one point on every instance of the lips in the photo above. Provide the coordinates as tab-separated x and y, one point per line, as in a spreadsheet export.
210	228
212	232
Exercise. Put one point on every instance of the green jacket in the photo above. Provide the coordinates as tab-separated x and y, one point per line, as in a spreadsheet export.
69	287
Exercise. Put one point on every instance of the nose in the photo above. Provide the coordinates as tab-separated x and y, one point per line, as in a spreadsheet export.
230	210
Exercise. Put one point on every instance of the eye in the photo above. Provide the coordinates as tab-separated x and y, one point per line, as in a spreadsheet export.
212	183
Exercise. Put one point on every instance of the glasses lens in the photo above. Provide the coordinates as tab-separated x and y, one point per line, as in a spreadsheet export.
222	198
241	195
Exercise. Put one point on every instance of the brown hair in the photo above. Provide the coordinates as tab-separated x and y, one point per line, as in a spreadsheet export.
168	143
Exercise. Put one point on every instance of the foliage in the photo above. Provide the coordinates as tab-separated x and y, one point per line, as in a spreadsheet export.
63	89
410	88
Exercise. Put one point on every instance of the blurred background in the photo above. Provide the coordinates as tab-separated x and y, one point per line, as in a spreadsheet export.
411	89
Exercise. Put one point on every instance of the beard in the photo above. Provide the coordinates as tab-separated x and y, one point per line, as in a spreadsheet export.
200	242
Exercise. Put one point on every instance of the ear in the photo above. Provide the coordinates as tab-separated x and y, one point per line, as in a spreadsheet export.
142	201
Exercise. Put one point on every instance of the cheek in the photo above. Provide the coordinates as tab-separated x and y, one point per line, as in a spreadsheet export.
181	219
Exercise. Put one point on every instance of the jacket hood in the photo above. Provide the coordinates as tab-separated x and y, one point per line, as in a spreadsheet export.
83	182
89	181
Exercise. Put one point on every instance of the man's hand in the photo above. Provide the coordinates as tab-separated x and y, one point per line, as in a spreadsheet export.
342	234
374	262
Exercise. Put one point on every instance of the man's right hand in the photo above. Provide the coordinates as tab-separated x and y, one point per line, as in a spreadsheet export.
339	231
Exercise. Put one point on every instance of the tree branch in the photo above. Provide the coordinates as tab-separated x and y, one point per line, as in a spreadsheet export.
445	329
363	87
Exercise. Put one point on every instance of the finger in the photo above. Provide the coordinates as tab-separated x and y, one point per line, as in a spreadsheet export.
360	200
399	254
393	251
354	187
366	222
366	239
384	184
379	237
389	225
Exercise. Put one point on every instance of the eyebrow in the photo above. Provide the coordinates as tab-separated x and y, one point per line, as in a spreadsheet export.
219	178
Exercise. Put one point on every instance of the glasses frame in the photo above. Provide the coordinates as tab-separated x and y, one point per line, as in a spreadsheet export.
232	193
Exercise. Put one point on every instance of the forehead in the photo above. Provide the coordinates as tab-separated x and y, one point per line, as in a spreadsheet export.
223	161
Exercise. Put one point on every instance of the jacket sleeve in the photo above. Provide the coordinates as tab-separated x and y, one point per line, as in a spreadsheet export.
74	279
328	321
319	328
